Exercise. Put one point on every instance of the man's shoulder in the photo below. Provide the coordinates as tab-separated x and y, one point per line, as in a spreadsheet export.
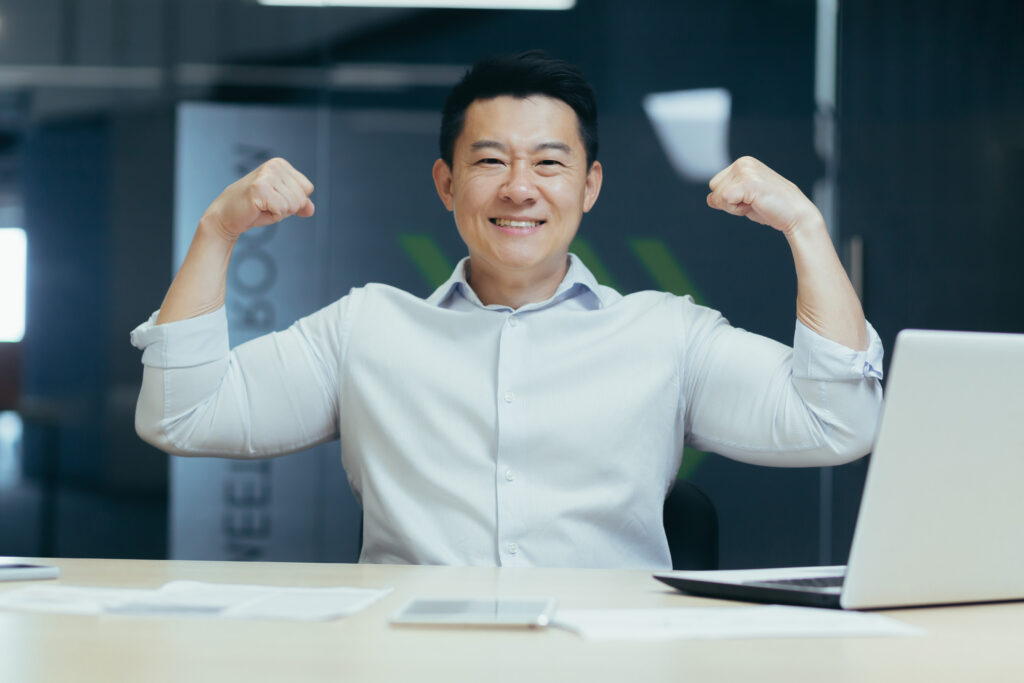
652	298
377	302
679	312
378	291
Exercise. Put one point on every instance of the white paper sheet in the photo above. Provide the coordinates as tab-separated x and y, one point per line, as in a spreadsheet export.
193	598
762	621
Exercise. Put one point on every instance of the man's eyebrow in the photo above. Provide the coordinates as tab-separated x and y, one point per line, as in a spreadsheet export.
557	146
494	144
488	144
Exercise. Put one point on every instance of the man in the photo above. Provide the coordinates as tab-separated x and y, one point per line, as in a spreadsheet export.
522	414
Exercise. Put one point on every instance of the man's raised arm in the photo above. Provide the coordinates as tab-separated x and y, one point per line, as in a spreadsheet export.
272	395
270	193
826	302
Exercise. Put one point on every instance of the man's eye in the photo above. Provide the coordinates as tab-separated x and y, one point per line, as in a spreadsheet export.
489	161
550	162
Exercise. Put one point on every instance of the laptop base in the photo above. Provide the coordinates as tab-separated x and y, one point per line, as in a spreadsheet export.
752	592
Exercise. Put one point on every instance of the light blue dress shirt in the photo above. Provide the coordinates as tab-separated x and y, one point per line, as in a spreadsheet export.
482	435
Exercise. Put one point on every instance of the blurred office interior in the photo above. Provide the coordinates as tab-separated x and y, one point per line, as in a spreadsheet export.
903	119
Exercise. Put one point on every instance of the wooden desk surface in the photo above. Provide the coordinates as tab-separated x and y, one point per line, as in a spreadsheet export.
964	643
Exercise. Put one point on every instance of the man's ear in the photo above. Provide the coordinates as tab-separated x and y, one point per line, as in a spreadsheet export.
443	183
593	187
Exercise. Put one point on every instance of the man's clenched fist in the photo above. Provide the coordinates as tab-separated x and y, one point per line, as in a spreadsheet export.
749	188
270	193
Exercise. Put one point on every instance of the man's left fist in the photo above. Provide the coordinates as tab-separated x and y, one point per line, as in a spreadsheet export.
749	188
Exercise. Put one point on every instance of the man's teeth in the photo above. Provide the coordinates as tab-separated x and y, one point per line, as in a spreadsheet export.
516	224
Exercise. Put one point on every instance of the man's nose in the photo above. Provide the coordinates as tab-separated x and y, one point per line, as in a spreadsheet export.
519	187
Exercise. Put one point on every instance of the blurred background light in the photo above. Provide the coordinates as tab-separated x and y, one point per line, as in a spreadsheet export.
430	4
693	129
10	449
13	253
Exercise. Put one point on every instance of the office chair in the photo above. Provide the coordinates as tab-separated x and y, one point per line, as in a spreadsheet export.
691	525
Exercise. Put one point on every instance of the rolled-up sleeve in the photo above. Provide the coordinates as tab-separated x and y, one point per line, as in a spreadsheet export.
816	357
755	400
273	395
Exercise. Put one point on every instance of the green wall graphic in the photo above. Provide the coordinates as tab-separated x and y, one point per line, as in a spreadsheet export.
581	247
653	254
426	254
663	267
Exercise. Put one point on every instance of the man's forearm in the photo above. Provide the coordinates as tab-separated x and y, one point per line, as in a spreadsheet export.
201	283
826	301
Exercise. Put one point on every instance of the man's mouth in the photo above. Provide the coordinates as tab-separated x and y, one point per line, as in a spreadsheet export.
517	224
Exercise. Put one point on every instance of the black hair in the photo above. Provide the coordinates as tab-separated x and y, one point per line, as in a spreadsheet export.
528	73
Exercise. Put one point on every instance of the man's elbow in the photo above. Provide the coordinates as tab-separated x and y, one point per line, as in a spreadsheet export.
150	424
149	430
855	436
851	449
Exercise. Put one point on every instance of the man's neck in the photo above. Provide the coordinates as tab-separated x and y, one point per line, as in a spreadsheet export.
514	289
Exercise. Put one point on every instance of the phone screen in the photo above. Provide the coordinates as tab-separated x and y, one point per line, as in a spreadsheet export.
481	612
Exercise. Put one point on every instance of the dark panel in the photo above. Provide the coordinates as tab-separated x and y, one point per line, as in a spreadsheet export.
97	206
932	171
66	217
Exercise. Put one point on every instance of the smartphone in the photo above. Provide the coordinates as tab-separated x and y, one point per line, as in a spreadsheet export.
477	612
20	571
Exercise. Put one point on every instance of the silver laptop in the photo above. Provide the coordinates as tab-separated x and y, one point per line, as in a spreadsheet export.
942	516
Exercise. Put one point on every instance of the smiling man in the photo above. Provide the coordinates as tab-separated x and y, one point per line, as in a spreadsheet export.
519	181
522	414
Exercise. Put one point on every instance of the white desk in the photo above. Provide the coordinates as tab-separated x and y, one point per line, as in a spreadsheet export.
964	644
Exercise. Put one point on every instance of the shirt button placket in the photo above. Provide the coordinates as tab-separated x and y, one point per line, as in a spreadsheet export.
510	521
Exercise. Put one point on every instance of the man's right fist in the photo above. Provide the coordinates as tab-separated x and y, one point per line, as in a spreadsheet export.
271	192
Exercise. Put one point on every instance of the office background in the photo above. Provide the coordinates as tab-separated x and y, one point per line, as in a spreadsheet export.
918	161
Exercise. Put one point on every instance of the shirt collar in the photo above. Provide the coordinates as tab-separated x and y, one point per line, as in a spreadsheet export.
578	282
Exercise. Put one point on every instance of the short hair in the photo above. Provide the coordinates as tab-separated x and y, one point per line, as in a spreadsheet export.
528	73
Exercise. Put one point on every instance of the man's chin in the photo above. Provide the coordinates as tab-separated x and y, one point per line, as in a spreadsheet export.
516	260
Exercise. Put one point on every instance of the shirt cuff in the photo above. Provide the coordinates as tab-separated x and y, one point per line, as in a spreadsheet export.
185	343
815	357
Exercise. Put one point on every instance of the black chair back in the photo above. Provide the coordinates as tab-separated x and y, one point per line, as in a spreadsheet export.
691	525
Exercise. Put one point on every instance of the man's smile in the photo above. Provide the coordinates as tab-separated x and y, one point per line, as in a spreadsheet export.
518	226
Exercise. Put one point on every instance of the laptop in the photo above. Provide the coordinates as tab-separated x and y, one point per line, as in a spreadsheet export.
941	519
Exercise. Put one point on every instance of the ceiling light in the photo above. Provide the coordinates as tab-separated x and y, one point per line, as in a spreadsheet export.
693	128
432	4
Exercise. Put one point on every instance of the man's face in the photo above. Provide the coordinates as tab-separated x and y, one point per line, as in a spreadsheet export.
518	185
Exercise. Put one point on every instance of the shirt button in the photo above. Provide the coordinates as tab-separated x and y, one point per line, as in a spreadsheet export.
509	397
513	548
513	321
510	475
